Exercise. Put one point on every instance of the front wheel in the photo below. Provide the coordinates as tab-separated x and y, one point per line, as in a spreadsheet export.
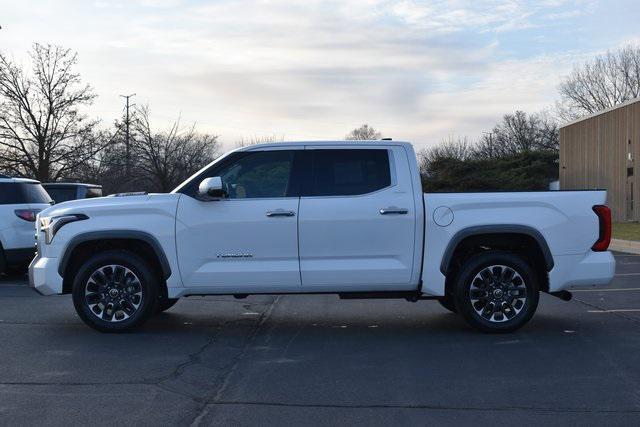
115	291
496	291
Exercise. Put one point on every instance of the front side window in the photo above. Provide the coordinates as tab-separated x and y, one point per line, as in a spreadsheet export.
349	172
260	174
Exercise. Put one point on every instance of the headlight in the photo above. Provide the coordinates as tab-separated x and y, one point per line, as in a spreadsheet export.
51	224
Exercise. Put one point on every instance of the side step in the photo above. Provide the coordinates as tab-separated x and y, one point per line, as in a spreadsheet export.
411	296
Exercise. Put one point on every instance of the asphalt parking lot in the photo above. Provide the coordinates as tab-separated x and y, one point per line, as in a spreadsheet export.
316	360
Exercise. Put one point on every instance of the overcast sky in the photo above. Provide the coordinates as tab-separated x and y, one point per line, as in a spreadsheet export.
310	69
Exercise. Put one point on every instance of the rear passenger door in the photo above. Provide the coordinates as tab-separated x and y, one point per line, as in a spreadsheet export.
357	220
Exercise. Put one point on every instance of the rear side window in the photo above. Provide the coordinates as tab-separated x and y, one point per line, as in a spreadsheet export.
349	172
93	192
12	193
62	194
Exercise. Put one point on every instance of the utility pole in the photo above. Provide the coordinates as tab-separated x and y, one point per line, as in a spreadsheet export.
127	166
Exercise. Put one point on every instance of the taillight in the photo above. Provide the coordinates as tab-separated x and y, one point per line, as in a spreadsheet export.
604	237
27	214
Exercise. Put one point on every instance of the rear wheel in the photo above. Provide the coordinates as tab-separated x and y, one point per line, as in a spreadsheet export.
496	291
115	291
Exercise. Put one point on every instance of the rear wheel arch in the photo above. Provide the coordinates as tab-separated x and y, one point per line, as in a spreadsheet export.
85	245
522	240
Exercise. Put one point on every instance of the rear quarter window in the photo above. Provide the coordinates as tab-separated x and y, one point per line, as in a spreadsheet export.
20	192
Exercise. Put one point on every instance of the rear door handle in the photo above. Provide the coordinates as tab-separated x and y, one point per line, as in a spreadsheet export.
394	211
280	212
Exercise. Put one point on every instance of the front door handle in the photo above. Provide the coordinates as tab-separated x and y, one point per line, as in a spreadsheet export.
394	211
280	212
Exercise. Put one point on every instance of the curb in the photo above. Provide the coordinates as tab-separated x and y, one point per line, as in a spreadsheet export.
628	246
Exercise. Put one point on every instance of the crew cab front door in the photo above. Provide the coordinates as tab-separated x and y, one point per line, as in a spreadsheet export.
357	220
247	241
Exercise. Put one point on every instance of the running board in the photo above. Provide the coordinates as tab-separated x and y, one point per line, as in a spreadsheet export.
411	296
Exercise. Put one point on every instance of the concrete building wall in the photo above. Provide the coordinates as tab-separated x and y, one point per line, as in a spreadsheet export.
602	151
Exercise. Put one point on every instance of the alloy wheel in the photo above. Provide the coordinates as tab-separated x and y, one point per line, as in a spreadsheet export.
498	293
113	293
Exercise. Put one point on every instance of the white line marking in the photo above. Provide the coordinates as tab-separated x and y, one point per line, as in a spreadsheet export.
616	311
606	290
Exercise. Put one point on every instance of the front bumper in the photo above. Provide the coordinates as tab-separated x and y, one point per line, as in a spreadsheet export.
44	277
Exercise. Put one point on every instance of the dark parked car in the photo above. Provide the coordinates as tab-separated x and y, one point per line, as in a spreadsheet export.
63	192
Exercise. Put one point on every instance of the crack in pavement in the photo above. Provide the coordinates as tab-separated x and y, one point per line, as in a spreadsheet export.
233	365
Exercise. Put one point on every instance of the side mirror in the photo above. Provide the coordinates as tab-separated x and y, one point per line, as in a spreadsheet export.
212	189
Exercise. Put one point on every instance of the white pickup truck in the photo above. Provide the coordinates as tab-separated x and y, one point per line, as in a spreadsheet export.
340	217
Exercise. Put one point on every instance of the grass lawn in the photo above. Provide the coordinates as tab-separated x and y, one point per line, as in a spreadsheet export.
626	230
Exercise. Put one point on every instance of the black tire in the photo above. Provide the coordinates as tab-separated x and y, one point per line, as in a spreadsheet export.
165	304
448	303
496	291
115	311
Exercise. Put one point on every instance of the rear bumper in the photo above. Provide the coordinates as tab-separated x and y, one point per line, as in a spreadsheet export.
44	277
575	271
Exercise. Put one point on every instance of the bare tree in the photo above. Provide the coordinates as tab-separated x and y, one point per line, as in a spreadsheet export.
166	158
363	133
603	82
519	133
43	133
451	148
244	142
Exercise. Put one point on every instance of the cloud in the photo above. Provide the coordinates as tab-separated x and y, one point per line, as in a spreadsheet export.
314	69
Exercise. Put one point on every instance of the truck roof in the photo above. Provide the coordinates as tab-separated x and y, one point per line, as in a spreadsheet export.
326	142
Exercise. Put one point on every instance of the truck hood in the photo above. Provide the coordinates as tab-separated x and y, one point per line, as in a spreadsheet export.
102	206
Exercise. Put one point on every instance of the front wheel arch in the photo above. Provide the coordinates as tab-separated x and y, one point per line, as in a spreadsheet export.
82	247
